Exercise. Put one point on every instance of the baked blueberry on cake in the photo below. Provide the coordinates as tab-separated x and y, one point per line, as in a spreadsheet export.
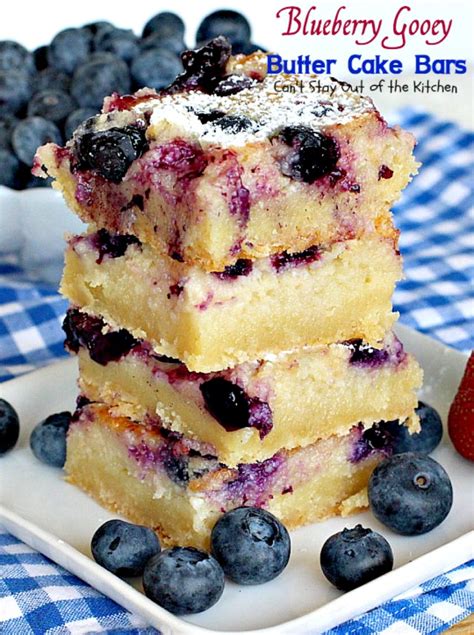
231	300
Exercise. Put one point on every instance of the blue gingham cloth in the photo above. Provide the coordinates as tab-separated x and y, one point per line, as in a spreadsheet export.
436	218
39	597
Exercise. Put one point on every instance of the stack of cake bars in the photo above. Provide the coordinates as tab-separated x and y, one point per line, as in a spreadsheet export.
231	302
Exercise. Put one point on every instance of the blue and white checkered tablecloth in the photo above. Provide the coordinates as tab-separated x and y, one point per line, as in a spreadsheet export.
436	218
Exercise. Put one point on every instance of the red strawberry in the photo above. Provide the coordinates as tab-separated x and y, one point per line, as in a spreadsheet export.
461	414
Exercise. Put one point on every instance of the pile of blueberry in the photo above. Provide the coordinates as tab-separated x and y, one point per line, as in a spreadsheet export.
410	493
47	93
248	545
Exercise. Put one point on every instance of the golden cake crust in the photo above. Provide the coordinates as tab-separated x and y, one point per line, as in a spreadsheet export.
211	323
99	462
311	394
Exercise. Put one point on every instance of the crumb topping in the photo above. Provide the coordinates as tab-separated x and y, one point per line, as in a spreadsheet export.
266	110
231	101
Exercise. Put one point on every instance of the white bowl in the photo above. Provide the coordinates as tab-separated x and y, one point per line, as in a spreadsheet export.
32	225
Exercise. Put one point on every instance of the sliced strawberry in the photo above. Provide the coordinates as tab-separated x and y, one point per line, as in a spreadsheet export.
461	414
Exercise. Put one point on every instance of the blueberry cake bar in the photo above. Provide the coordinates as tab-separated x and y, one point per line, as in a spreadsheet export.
249	412
219	167
231	299
215	320
180	488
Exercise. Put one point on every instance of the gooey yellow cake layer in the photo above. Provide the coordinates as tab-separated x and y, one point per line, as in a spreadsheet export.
310	395
211	323
119	464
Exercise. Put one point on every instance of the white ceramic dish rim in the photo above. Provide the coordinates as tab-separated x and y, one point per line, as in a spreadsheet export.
329	615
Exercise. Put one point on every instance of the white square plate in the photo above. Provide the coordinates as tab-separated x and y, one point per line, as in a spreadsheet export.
54	517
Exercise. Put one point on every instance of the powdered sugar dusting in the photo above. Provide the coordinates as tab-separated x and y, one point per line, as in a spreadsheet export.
267	109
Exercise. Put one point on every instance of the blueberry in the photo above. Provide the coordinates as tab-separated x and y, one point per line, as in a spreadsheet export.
231	24
364	355
110	347
48	439
9	422
124	548
76	118
31	133
52	104
103	30
15	90
251	545
410	493
156	41
7	124
111	152
183	580
112	245
208	117
241	267
80	329
10	173
233	408
155	68
99	77
78	326
313	154
285	259
376	439
355	556
98	31
85	330
204	68
227	402
14	56
424	441
69	49
177	469
99	27
166	25
122	43
234	123
51	78
40	57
